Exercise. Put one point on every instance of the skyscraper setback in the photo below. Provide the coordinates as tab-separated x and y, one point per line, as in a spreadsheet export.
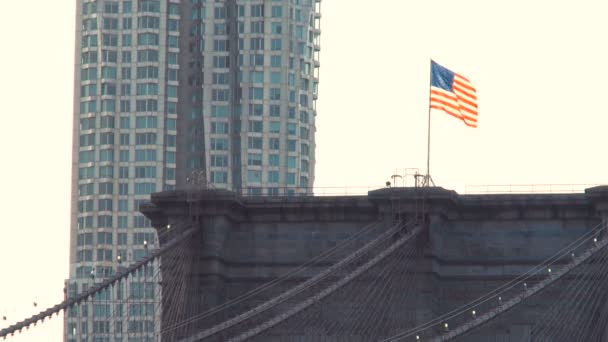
165	88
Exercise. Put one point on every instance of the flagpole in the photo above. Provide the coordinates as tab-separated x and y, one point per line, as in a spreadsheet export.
428	142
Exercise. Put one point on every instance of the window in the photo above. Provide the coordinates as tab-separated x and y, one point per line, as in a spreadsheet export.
85	206
87	123
110	23
304	166
149	105
144	188
220	78
291	178
87	139
304	117
256	77
273	176
173	9
108	73
108	89
125	73
275	44
291	162
277	11
147	55
123	188
257	26
89	41
219	12
273	143
275	61
141	238
173	41
145	172
275	127
86	157
148	22
106	171
254	142
221	61
220	95
104	221
125	89
147	89
108	105
106	188
277	28
219	127
291	128
273	160
86	172
124	139
147	72
257	10
145	138
275	77
109	56
149	6
291	145
124	155
221	45
146	122
123	221
256	43
127	24
256	93
256	60
104	238
110	6
218	29
109	39
256	126
219	177
88	57
145	155
85	189
106	138
173	25
123	172
89	24
254	159
256	110
219	111
219	144
127	40
219	160
275	94
123	205
254	176
88	74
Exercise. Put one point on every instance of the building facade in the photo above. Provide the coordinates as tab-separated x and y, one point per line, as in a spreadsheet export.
166	88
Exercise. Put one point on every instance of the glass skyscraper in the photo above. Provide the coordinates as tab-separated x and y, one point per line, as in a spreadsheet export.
167	87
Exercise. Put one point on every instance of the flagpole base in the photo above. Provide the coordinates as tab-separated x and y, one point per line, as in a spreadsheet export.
424	181
428	181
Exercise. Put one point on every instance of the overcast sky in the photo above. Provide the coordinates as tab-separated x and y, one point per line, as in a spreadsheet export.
539	67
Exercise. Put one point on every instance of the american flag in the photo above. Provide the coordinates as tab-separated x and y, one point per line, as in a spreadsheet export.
453	94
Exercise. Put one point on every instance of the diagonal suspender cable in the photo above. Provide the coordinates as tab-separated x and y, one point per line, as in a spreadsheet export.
293	291
95	289
305	304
